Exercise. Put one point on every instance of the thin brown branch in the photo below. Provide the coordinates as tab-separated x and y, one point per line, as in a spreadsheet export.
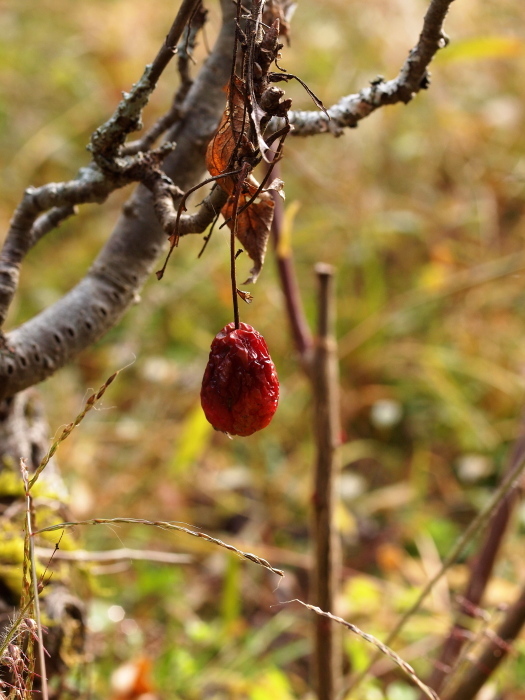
494	653
326	573
301	334
412	78
475	528
480	574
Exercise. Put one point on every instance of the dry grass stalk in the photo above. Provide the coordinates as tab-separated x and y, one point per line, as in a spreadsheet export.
162	525
382	648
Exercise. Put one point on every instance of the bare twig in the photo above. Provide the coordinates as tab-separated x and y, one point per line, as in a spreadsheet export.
494	653
207	212
326	572
476	527
382	648
412	78
108	139
165	526
184	50
93	184
49	221
481	571
301	334
113	555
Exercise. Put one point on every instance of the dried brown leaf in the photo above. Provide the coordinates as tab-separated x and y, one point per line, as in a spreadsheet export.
253	227
281	10
232	134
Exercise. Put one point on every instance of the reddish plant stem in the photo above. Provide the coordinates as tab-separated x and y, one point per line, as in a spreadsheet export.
300	330
320	365
494	652
480	573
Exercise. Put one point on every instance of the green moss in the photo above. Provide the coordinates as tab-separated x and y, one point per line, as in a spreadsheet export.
11	485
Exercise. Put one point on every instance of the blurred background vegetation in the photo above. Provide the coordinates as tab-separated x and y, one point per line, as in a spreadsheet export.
422	211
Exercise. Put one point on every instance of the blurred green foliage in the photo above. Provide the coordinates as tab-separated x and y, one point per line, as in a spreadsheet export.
422	211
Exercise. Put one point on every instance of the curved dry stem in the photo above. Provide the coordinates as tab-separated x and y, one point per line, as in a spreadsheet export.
162	525
381	648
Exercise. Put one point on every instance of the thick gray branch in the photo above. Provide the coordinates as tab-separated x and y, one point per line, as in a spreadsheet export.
110	170
412	78
39	347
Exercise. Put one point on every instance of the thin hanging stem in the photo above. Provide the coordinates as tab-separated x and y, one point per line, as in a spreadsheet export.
235	300
235	207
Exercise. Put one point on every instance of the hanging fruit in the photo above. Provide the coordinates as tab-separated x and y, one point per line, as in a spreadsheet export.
240	389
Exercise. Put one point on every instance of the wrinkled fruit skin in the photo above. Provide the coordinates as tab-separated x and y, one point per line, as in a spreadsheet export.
240	389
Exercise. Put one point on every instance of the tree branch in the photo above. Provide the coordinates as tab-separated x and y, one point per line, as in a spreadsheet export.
48	341
93	184
413	77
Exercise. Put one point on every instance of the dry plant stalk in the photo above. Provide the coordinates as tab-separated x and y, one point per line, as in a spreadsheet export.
494	652
88	406
326	572
162	525
476	527
31	587
480	573
382	648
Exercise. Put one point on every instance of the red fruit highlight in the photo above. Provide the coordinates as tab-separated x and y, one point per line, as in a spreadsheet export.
240	389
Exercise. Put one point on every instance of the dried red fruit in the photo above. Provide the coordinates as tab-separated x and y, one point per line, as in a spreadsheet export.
240	389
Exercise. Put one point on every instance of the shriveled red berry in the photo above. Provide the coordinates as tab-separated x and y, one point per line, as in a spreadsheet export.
240	389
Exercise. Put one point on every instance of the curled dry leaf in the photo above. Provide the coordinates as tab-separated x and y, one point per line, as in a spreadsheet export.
276	185
231	136
281	10
245	296
229	146
253	227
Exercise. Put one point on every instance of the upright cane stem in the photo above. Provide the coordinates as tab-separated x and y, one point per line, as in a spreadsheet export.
327	569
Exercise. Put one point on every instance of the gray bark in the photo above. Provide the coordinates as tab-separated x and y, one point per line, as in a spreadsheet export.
39	347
